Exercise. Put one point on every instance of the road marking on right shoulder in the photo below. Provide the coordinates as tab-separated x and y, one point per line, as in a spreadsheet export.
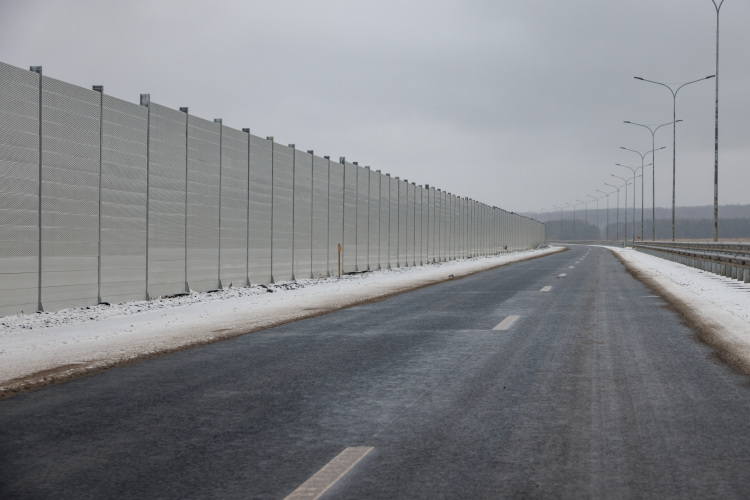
506	323
330	474
546	289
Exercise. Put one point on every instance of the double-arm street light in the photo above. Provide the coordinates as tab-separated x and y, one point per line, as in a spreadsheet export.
653	160
607	195
653	169
617	212
625	202
597	213
634	170
674	133
561	209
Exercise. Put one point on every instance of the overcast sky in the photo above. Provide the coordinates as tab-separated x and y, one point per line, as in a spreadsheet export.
517	104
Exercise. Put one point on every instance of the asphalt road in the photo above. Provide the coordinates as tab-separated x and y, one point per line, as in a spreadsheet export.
596	390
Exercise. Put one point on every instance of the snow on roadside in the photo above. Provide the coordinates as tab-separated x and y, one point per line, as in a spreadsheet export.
717	305
68	343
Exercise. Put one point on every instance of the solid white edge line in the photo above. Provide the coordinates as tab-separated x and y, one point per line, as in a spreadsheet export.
330	474
506	323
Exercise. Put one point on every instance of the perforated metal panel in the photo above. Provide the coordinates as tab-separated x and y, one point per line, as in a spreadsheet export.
303	214
410	225
261	167
320	206
166	218
373	220
203	204
363	229
282	212
423	224
124	181
349	247
234	207
335	215
393	222
19	189
70	194
385	225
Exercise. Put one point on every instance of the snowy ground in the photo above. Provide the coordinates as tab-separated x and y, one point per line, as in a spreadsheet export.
38	349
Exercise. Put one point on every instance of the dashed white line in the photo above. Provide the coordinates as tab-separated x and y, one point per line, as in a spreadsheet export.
546	289
330	474
562	275
571	267
506	323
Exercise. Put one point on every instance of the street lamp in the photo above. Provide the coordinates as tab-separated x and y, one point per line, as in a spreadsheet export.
653	159
561	209
626	183
607	195
674	133
653	171
716	133
634	170
597	213
617	218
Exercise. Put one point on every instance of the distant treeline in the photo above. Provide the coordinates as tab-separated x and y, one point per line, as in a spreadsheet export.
684	228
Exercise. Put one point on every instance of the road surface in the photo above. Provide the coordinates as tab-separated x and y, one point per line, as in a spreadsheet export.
557	377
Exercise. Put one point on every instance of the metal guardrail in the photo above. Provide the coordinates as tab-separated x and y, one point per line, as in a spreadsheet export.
725	259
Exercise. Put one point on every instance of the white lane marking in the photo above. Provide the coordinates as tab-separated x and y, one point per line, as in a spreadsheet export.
506	323
562	275
330	474
546	289
571	267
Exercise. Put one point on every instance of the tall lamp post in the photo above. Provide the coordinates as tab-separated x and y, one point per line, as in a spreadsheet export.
617	212
554	206
634	170
674	133
716	133
626	183
653	160
607	195
653	170
597	213
585	212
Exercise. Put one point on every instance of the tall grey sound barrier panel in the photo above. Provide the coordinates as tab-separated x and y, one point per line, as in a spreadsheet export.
418	260
70	194
425	226
123	205
385	222
410	224
204	174
373	220
393	222
363	201
335	214
167	193
19	190
234	207
261	199
349	245
302	215
403	210
320	227
283	184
